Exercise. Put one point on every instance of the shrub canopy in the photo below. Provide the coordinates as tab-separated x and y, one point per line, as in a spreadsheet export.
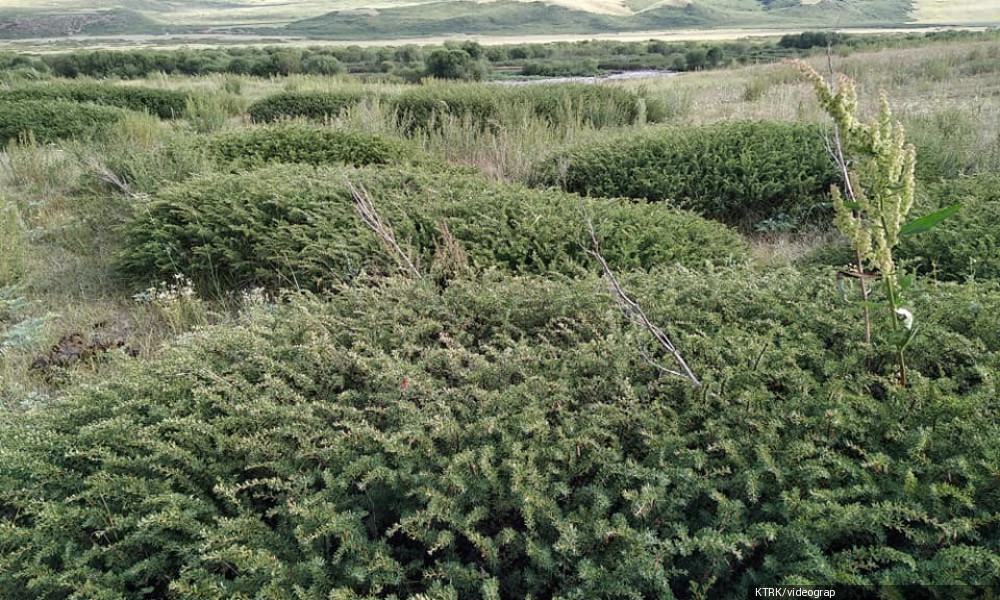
298	143
503	438
296	226
311	105
966	244
51	120
166	104
744	173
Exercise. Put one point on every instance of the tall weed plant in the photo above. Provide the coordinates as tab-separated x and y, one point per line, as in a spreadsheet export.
879	184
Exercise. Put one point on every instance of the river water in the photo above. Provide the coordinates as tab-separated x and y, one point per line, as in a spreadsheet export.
594	79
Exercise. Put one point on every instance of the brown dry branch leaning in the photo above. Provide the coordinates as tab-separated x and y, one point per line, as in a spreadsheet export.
365	208
634	312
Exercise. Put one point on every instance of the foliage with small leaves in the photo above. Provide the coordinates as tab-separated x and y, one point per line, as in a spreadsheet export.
501	438
166	104
311	105
295	226
52	120
299	143
740	173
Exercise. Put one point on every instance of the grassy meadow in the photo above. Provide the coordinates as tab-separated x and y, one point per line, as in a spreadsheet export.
332	336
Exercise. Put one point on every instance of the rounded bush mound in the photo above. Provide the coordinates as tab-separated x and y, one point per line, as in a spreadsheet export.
51	120
560	104
311	105
166	104
305	144
745	173
966	244
501	438
296	226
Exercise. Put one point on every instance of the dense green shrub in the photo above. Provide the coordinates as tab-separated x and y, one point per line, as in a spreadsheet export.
295	225
502	438
166	104
966	244
305	144
51	120
454	63
311	105
486	104
744	173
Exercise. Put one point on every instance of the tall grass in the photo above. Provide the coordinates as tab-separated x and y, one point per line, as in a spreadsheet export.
42	176
13	243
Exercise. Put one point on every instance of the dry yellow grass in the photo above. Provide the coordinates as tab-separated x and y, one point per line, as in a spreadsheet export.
666	3
608	7
957	11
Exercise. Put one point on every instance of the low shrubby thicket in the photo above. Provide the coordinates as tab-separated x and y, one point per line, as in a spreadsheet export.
967	244
963	246
744	173
311	105
295	225
356	371
504	438
166	104
299	143
51	120
484	105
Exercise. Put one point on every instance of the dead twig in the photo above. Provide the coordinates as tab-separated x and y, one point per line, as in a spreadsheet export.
635	313
365	208
110	178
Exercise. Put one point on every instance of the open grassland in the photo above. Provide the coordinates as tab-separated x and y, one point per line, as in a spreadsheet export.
948	11
345	337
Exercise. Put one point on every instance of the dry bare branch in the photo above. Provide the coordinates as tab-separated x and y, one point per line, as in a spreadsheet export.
635	314
365	208
109	177
450	259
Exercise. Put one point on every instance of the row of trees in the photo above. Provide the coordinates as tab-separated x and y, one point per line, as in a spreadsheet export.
453	60
465	60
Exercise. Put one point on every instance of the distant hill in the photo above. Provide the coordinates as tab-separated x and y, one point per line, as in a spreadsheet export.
103	22
388	19
511	17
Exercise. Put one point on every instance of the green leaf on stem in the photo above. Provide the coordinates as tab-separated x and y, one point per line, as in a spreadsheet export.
927	222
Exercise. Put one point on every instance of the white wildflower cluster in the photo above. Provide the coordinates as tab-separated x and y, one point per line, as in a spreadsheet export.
255	297
906	317
181	288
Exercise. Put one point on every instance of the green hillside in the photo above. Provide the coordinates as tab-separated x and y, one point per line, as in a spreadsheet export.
117	21
510	17
387	19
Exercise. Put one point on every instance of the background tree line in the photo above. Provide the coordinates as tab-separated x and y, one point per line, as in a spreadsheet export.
454	60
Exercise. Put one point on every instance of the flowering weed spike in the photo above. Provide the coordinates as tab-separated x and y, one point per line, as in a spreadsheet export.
877	166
